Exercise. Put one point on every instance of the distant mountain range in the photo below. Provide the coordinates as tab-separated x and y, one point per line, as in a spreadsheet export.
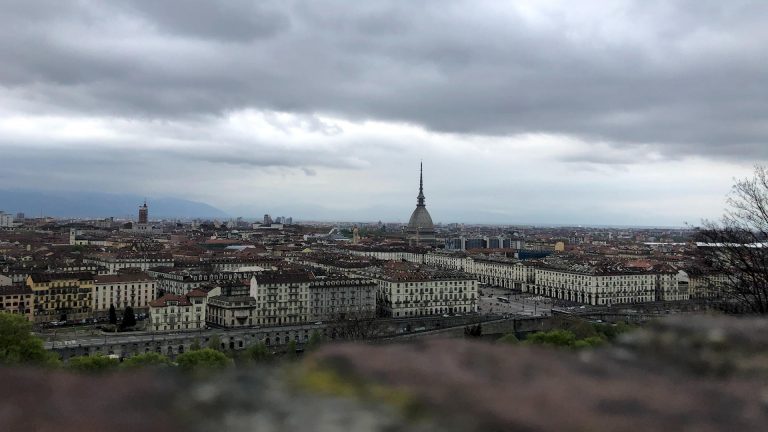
100	205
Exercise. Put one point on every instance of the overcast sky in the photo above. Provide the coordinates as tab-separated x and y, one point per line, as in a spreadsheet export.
622	112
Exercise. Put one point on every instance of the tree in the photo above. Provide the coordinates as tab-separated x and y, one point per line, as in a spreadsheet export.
203	360
509	339
258	353
589	342
356	325
315	340
214	343
150	359
563	339
473	330
18	346
610	332
129	318
290	349
92	364
557	338
112	315
737	245
195	346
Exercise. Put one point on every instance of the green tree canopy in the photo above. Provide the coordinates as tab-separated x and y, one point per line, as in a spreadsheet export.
129	317
214	343
315	340
92	364
508	338
203	360
612	331
19	346
112	314
590	342
258	353
150	359
564	338
557	338
582	329
290	349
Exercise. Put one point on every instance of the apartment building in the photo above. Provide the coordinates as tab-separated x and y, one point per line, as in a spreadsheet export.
178	312
17	299
411	290
337	297
114	262
282	297
122	290
61	296
607	284
181	280
706	285
232	305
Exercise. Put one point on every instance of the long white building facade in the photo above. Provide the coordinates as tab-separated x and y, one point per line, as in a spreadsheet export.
594	284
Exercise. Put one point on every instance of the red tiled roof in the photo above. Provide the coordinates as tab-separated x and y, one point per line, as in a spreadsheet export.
163	301
197	293
125	277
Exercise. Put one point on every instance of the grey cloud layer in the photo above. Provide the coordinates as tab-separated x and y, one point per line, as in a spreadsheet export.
685	77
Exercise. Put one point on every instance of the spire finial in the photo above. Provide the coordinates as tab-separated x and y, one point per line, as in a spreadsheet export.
420	198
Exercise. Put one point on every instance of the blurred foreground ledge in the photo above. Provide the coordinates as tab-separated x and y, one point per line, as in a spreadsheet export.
679	374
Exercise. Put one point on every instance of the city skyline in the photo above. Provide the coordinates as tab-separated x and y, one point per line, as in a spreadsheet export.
641	113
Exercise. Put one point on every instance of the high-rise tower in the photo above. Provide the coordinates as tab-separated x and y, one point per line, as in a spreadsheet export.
144	213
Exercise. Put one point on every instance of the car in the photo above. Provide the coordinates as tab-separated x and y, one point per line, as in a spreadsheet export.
319	323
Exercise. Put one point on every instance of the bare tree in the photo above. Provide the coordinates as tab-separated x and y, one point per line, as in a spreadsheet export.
737	245
358	325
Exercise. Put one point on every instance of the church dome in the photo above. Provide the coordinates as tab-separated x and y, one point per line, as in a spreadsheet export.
420	220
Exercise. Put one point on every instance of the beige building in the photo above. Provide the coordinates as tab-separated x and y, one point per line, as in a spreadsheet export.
278	298
408	290
121	290
498	271
61	296
113	262
704	285
607	286
17	299
282	297
232	305
175	312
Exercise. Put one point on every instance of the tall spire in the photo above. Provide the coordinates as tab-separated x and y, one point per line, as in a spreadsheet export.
420	198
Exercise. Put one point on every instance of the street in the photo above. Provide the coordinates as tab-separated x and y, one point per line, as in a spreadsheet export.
519	303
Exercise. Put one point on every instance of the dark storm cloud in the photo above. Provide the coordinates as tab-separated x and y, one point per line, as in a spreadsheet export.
683	78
